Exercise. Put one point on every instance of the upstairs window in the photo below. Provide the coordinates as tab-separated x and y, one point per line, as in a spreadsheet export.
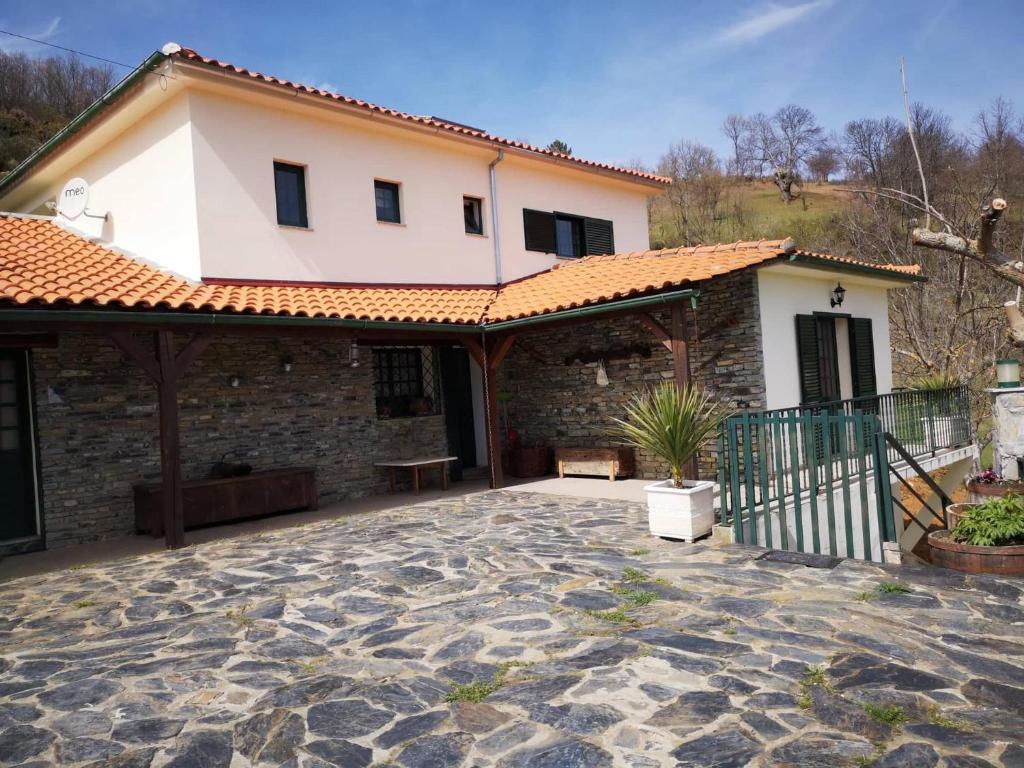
567	235
472	210
290	189
386	193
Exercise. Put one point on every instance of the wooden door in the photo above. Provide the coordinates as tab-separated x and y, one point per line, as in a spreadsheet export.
18	513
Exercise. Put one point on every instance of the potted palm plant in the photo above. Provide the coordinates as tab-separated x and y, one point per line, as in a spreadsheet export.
673	423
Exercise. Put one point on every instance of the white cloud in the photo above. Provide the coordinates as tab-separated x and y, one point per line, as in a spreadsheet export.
772	18
18	45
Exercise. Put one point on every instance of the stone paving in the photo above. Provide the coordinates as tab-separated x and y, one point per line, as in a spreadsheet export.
511	630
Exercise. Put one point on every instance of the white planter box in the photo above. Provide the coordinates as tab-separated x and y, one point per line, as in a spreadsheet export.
681	513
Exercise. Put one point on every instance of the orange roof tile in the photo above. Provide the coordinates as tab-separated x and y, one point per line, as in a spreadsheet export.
41	263
598	279
188	54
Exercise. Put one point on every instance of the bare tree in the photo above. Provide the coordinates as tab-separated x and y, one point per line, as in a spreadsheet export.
735	129
783	143
823	163
689	210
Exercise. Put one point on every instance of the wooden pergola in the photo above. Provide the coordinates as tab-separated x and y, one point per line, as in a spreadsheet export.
178	339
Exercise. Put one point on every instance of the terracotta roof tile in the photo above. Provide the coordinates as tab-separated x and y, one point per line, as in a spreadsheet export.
41	263
455	128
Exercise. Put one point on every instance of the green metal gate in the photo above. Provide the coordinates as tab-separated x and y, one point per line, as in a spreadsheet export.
809	480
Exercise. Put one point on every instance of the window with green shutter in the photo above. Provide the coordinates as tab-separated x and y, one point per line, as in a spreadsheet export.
862	357
817	359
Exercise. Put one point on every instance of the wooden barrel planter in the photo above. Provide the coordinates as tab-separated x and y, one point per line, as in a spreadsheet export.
994	490
956	511
946	553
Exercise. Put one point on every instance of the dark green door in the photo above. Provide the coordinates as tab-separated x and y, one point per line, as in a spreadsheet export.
456	384
18	518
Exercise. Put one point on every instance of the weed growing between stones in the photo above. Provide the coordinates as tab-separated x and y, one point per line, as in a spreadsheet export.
937	718
633	576
476	692
891	714
892	588
730	628
636	596
614	616
640	552
239	617
813	677
85	603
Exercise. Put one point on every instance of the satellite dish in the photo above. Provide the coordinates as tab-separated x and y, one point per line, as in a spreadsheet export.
73	198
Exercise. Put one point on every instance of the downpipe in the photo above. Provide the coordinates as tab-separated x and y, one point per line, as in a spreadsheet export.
492	170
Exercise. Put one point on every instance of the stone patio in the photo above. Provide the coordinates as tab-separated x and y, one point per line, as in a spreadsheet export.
506	629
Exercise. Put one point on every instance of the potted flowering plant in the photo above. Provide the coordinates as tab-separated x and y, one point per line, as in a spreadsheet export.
990	483
673	423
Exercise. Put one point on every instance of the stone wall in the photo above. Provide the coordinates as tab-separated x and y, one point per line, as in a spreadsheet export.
98	429
552	403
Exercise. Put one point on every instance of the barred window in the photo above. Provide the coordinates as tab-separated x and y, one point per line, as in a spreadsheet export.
405	382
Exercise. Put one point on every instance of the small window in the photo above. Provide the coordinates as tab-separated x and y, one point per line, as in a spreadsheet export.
387	202
290	188
569	236
472	210
405	382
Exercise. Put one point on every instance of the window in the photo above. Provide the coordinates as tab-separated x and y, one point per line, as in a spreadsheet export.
567	235
387	202
472	210
290	188
405	382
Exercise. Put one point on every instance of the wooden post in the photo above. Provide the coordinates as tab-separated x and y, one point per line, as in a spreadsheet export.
495	354
170	449
165	369
681	365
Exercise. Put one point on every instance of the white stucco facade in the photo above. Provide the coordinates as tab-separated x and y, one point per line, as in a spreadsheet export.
785	291
184	170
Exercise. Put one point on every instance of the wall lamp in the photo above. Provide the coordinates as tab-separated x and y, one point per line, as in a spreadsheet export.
838	294
353	354
287	364
234	381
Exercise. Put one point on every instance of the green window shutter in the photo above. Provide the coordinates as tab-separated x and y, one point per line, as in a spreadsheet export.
599	236
539	227
808	359
862	357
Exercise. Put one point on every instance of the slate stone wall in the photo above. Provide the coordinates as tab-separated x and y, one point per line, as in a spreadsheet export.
98	432
560	405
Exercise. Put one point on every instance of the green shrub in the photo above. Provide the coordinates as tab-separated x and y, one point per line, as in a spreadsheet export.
672	423
995	523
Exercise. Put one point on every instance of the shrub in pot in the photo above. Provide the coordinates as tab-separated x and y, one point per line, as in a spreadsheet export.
672	423
988	538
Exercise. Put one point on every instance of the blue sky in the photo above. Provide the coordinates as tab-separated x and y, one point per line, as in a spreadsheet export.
618	81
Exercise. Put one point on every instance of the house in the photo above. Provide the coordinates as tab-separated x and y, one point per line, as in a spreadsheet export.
243	266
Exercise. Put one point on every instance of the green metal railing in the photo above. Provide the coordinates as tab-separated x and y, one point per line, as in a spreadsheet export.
811	478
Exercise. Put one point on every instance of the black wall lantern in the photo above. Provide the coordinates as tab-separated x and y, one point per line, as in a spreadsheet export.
838	294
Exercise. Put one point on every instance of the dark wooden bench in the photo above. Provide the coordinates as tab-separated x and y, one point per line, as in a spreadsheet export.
221	500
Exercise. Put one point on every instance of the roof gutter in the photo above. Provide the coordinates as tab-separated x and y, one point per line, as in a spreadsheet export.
223	320
13	178
640	302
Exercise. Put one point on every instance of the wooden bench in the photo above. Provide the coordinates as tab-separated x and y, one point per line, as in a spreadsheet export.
220	500
613	462
440	463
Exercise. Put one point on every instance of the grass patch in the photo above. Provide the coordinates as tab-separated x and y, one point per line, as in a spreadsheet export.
633	575
239	617
867	597
85	603
636	596
892	588
615	616
936	717
814	677
890	714
730	629
474	693
640	552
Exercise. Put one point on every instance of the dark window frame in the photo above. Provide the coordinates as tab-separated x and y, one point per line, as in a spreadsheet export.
297	171
405	382
478	203
591	236
579	236
382	185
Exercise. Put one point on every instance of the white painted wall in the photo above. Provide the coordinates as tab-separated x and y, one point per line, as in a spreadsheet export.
143	179
237	137
785	291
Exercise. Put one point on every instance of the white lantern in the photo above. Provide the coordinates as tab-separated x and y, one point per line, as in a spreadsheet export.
1008	373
